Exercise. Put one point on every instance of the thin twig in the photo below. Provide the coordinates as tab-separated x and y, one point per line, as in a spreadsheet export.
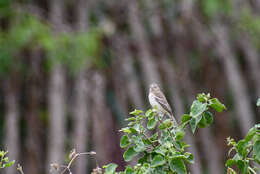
73	158
20	169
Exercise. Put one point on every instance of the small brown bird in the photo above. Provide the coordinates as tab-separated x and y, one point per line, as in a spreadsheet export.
157	99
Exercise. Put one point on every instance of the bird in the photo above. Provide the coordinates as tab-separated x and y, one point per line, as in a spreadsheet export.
158	100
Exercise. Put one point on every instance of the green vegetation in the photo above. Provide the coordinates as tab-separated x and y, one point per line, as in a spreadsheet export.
164	151
4	161
246	151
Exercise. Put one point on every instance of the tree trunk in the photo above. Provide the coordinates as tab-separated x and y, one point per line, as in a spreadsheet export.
120	91
252	59
148	65
105	141
56	146
11	124
235	79
132	83
56	149
81	127
81	91
34	139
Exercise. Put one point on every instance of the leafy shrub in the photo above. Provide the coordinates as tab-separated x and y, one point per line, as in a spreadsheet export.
246	151
4	161
163	152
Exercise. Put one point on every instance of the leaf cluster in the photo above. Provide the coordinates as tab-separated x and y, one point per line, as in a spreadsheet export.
246	150
158	143
74	49
4	161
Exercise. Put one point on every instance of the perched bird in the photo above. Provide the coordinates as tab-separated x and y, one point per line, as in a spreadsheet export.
158	100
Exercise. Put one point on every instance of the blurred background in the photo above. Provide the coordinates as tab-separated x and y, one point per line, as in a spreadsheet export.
71	71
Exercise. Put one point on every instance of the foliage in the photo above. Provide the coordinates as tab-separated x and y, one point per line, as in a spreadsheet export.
4	161
212	8
164	151
246	150
73	49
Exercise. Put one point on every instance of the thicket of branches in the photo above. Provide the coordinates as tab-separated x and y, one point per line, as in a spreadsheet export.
71	70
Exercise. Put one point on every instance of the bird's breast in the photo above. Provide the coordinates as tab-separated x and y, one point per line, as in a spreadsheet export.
152	100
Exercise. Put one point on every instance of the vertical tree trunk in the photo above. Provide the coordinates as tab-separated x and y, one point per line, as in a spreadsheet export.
11	123
56	146
235	79
148	65
81	127
81	107
132	84
252	59
57	116
105	141
34	159
120	90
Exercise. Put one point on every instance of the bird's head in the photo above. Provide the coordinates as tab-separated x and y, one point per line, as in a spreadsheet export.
154	87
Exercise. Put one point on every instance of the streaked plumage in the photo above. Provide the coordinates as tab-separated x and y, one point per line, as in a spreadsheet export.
157	99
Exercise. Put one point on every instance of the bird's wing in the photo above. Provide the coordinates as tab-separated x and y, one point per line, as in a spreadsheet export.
160	98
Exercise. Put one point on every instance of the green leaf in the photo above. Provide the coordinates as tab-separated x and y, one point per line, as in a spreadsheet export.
189	157
166	124
256	150
209	117
193	125
137	127
158	160
110	168
194	122
126	130
177	165
216	104
230	162
185	118
203	122
139	143
6	159
251	133
129	154
129	170
179	135
2	153
136	112
139	147
201	98
149	113
124	141
9	164
197	108
144	159
258	102
151	124
242	166
242	148
131	119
